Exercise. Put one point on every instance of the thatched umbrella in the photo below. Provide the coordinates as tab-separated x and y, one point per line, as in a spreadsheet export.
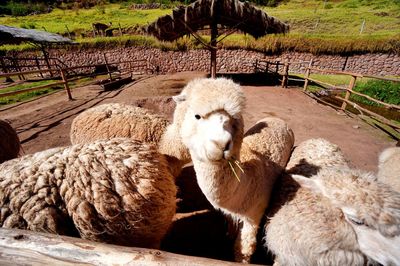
233	14
14	35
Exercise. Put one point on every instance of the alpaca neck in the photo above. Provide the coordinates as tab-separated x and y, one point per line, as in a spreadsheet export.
218	182
172	148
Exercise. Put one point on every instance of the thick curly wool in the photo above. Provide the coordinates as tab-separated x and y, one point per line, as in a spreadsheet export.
314	154
116	191
309	228
306	229
389	167
9	142
117	120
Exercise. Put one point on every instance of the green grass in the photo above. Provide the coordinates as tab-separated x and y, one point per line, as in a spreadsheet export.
81	20
333	28
27	95
385	91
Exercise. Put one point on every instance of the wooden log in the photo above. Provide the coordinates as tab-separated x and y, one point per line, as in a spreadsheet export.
26	72
285	76
381	78
30	89
66	86
349	91
388	105
336	72
20	247
378	117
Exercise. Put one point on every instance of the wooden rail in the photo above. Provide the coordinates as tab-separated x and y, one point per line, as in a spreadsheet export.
20	247
132	64
350	90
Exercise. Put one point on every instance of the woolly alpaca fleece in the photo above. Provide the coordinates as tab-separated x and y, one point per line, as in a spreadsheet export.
389	167
9	142
314	154
117	120
116	191
314	228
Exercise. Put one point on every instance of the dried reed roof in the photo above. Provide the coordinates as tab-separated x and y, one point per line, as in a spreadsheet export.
13	35
231	13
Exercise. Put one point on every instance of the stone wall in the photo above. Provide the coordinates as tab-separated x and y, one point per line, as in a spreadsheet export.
230	60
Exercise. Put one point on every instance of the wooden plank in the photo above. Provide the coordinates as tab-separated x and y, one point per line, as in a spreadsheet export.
336	72
327	84
26	72
393	106
20	247
382	78
30	89
378	117
66	87
349	91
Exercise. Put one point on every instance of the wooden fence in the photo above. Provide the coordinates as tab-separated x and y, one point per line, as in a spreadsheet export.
140	66
280	68
349	89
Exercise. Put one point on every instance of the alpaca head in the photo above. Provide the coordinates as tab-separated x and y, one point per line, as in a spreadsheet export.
212	126
370	207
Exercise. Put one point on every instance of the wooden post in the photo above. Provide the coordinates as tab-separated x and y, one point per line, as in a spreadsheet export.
65	80
348	92
69	33
267	67
38	65
108	69
256	66
277	67
213	50
285	76
308	70
46	58
120	30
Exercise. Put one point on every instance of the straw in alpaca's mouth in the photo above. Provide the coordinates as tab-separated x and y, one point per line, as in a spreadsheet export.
234	161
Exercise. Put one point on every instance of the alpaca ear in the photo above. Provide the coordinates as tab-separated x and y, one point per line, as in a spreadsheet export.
308	183
179	98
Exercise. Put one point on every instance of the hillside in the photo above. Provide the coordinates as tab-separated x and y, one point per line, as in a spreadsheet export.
318	26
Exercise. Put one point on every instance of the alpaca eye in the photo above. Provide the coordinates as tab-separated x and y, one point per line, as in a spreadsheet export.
197	117
356	221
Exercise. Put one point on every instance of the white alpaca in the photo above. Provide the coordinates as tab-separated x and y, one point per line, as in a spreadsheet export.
339	216
212	130
116	191
389	167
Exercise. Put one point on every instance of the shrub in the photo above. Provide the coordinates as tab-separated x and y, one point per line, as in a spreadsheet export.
386	91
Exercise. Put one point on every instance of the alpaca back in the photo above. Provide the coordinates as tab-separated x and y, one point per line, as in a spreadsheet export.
116	191
389	167
117	120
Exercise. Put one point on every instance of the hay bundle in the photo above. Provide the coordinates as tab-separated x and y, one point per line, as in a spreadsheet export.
9	142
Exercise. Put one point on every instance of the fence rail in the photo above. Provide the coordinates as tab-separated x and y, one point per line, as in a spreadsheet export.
130	67
350	90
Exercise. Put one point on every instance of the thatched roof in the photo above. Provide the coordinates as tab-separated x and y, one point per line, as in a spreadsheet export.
13	35
231	13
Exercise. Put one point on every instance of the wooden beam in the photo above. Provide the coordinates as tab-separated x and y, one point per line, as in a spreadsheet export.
20	247
336	72
378	117
349	91
30	89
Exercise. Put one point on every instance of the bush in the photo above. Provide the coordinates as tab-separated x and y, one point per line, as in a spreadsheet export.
386	91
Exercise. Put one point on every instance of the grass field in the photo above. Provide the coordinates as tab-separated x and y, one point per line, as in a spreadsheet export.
317	26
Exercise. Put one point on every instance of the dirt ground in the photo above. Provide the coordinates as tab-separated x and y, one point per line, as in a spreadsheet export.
198	230
44	123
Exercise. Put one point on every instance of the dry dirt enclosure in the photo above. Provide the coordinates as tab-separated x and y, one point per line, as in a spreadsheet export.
198	230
